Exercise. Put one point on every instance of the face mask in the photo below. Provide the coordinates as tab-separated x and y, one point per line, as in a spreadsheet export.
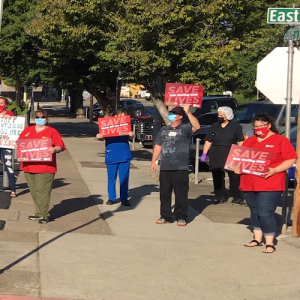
40	122
172	117
2	108
221	120
262	132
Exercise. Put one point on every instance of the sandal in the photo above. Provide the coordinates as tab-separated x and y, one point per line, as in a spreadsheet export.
269	246
13	195
254	241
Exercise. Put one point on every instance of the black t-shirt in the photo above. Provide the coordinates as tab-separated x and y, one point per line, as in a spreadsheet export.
175	146
230	134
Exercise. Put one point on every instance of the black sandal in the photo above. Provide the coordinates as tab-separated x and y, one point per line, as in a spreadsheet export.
269	246
254	241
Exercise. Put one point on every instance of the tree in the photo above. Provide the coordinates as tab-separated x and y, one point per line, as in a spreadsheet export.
19	61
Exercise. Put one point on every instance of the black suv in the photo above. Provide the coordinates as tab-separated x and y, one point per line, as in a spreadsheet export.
144	124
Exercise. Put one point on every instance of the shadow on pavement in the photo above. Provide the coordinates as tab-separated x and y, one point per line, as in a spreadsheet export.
70	206
46	243
135	195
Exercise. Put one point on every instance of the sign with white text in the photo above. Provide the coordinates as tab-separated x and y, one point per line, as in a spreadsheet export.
248	160
10	129
283	16
34	150
178	94
114	126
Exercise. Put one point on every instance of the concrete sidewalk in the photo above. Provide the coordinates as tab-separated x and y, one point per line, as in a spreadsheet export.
94	251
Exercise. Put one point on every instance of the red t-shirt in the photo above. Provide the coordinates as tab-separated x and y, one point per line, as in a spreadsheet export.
42	166
10	113
282	150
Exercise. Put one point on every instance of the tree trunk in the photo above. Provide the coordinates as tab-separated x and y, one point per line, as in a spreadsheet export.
162	110
76	98
106	100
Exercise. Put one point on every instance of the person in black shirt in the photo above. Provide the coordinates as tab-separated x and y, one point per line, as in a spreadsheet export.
172	144
220	137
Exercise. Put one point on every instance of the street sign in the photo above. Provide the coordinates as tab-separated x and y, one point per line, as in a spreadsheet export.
292	33
283	16
272	75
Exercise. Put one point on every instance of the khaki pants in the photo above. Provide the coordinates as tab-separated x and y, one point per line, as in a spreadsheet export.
40	187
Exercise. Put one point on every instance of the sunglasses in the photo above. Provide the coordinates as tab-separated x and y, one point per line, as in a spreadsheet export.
42	117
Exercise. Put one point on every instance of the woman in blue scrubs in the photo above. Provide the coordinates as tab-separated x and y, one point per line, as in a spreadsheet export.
117	160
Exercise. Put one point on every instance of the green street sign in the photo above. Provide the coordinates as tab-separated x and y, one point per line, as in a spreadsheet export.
292	33
283	16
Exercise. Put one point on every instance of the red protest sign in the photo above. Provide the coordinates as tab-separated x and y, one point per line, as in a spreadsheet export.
178	94
248	160
34	150
114	126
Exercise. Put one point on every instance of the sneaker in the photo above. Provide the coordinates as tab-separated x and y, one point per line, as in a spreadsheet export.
221	200
240	203
181	223
162	221
235	201
110	202
43	220
126	203
33	218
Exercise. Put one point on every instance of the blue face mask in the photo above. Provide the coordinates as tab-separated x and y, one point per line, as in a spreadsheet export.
40	122
172	117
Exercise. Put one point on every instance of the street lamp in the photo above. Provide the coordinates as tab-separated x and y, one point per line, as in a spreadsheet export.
119	78
32	99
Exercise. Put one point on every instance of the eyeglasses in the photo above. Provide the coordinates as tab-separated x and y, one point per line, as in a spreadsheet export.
174	113
42	117
264	125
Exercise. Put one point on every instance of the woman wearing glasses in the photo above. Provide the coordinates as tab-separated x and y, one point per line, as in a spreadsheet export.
263	193
40	175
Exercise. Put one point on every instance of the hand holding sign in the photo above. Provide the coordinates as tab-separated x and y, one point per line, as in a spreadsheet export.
249	161
33	150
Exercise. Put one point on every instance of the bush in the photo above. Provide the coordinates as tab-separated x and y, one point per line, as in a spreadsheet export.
17	110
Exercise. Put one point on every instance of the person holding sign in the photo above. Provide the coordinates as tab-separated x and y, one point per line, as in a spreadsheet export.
117	160
263	193
172	144
7	154
39	175
220	137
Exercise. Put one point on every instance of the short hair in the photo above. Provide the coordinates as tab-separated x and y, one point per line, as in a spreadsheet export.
119	112
42	111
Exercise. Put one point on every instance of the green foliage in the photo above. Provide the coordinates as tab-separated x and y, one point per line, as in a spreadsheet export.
18	111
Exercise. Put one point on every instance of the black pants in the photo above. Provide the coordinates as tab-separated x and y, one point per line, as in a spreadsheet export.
179	182
219	183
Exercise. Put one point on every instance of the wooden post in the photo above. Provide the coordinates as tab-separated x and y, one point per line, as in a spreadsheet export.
296	206
91	108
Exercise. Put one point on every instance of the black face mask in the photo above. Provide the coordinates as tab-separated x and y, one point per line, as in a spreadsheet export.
221	120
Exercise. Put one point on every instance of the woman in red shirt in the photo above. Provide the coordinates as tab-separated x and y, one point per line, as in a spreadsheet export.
7	154
40	175
263	194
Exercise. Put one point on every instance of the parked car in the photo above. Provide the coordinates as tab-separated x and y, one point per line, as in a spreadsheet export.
133	108
213	102
244	114
97	112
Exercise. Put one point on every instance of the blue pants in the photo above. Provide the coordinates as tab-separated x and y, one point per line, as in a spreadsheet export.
7	157
112	172
262	207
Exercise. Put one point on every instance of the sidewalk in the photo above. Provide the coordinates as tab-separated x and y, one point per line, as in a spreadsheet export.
94	251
